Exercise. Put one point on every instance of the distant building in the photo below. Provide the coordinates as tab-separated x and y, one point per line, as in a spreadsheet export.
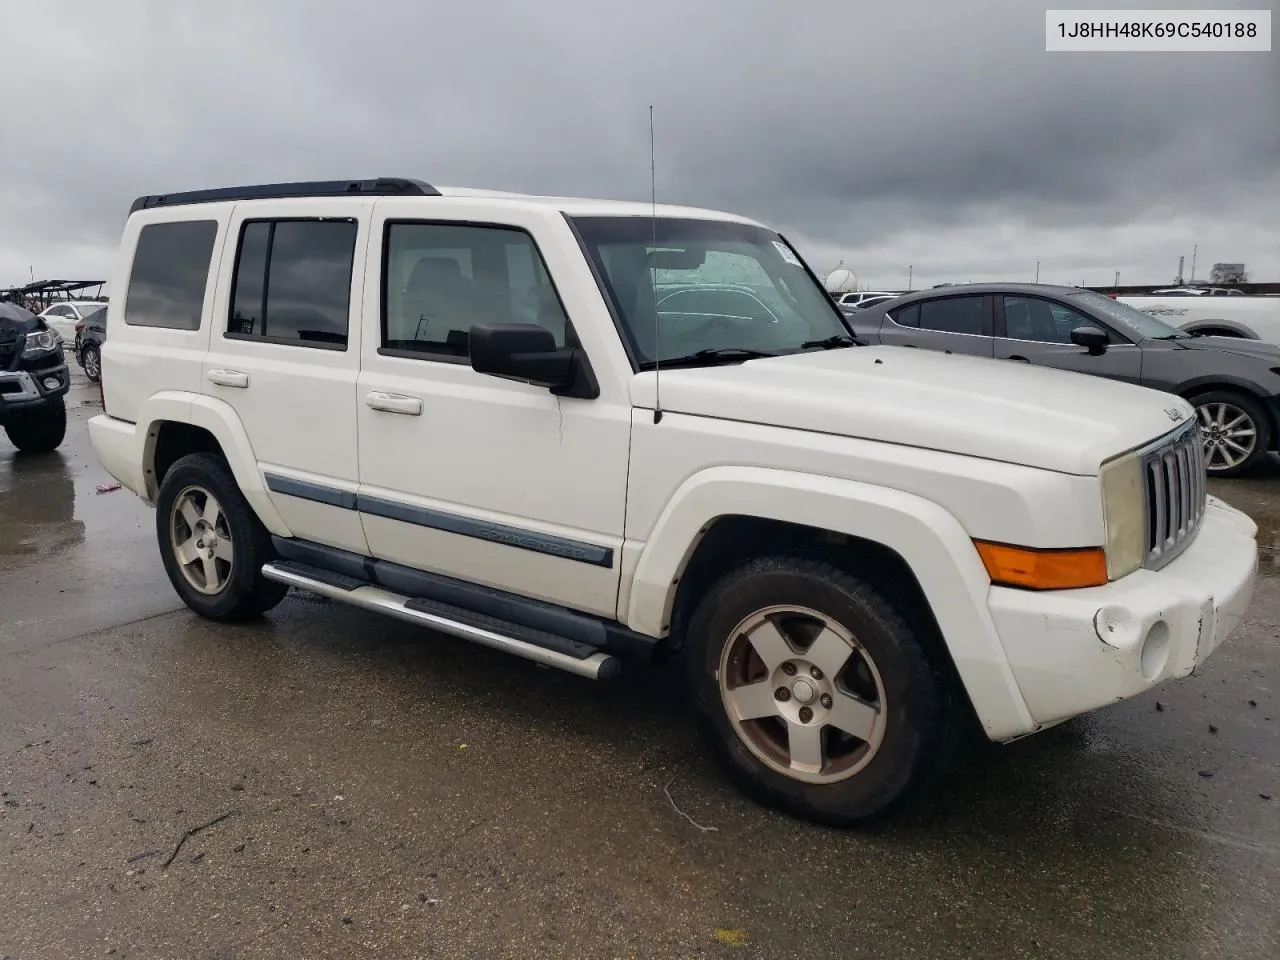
1228	273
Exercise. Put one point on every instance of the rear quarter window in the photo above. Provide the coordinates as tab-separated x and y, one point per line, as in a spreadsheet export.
170	273
906	316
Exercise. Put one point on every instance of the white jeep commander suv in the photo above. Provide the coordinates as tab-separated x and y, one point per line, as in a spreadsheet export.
466	409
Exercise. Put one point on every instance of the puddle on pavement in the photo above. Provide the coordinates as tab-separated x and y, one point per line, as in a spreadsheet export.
49	502
37	507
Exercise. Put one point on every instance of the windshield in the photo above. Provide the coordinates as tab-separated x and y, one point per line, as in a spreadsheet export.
89	313
712	285
1142	326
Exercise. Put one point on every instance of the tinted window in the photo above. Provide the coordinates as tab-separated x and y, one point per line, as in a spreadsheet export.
1030	318
907	316
952	315
170	271
247	300
441	279
293	281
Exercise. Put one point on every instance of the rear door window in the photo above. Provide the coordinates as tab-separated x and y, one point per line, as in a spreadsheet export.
293	282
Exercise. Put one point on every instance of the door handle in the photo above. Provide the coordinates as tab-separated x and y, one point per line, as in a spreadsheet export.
394	403
229	378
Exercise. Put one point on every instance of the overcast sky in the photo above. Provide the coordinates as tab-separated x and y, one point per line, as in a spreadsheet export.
938	134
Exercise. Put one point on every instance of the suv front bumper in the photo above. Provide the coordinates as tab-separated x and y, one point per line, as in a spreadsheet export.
30	388
1073	651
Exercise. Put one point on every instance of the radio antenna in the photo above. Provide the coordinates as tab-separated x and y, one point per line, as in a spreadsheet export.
653	279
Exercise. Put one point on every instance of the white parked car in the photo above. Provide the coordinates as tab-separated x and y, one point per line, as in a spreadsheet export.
64	317
447	406
864	298
1256	318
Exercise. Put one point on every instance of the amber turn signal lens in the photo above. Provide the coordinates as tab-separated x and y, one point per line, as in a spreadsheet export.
1043	569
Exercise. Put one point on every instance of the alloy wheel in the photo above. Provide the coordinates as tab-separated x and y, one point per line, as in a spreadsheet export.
1228	433
201	540
802	694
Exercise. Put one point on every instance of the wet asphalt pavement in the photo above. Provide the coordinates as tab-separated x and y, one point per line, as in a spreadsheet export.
389	793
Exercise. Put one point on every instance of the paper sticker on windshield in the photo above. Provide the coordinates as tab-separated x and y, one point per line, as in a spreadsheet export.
787	254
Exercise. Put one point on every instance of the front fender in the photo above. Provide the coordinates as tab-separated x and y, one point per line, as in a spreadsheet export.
222	421
929	538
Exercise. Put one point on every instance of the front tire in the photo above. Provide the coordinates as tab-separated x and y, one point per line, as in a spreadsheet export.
41	430
212	543
1234	430
816	695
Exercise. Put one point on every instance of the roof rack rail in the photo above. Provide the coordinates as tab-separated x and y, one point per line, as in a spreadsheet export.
379	187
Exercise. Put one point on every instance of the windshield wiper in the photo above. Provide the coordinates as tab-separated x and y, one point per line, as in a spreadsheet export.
830	343
713	355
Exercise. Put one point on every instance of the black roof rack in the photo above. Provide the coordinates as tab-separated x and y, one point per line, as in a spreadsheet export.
379	187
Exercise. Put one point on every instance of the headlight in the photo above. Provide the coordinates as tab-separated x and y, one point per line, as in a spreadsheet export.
42	341
1124	512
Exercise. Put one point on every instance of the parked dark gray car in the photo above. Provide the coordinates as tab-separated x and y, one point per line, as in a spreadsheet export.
1233	383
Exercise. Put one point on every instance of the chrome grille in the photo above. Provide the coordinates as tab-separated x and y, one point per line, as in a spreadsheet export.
1175	478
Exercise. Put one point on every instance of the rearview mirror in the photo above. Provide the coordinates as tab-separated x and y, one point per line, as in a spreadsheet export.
689	258
1091	338
528	352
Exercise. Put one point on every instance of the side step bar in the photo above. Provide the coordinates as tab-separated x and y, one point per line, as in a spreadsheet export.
536	645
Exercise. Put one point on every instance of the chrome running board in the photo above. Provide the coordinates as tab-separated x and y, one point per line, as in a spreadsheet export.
536	645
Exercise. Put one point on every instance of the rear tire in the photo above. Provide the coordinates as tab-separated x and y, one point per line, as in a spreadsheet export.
785	655
1229	421
41	430
212	543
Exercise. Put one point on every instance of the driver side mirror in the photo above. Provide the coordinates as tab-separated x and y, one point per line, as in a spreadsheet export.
1092	339
528	352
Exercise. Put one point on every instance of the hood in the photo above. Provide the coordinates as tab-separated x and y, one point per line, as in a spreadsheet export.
15	320
992	409
1240	346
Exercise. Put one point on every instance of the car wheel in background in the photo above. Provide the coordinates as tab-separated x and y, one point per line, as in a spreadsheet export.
1234	429
91	361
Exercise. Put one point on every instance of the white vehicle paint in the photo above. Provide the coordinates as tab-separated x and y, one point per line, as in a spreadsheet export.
566	502
1257	318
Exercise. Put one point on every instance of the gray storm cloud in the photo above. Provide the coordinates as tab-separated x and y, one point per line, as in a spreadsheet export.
936	134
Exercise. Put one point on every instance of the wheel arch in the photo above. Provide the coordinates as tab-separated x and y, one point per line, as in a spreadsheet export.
179	423
720	512
1230	328
1205	385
